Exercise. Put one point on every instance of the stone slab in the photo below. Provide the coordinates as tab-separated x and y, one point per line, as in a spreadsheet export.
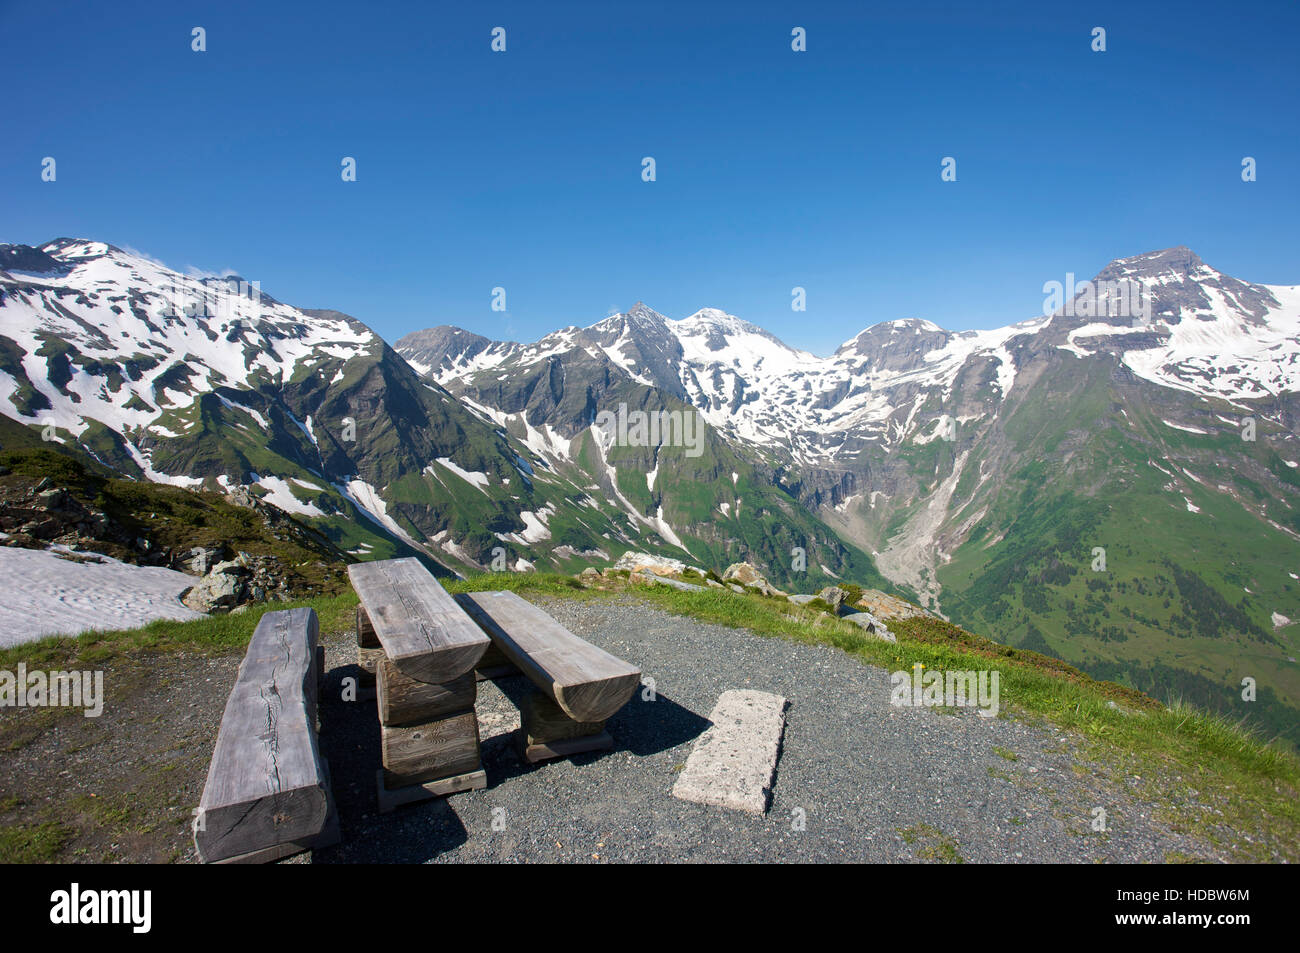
733	762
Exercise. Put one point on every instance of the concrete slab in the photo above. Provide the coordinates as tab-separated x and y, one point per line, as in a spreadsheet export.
733	762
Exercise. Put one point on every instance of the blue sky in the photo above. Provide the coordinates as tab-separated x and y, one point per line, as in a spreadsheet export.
775	169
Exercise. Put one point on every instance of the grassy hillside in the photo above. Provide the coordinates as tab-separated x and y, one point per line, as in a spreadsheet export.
173	520
1193	570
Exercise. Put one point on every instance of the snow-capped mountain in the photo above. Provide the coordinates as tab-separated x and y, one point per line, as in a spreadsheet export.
211	383
95	336
1208	333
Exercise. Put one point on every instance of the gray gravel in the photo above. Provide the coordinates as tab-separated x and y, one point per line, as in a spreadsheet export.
874	782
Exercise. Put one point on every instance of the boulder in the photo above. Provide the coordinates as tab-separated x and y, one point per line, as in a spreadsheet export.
203	558
231	567
589	576
216	592
743	573
833	596
748	575
240	496
51	499
650	580
801	600
885	606
646	562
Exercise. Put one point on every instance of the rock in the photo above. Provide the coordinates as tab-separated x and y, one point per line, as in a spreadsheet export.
216	592
650	579
646	562
45	529
240	496
833	596
714	584
748	575
801	600
589	576
743	573
203	558
885	606
232	567
735	588
869	623
51	499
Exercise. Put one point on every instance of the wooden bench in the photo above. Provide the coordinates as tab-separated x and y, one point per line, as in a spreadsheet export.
268	793
422	648
580	686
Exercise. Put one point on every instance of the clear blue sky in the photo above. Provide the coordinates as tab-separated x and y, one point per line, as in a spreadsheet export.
775	168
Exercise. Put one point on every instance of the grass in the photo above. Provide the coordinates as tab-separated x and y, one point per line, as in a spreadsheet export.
217	634
935	845
32	843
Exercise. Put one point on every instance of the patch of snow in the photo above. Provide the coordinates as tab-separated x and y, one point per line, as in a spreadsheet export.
47	595
472	477
279	494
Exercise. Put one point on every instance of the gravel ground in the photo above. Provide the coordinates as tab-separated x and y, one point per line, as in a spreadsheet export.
871	782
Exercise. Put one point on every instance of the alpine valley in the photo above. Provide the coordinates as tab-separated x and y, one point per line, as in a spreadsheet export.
1120	493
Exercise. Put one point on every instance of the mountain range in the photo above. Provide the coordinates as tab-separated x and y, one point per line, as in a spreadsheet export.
1115	488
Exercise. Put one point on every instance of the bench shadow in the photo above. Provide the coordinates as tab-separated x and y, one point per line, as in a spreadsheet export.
649	727
350	742
640	727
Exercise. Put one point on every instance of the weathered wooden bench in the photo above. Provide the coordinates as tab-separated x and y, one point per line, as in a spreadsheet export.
422	648
268	793
579	685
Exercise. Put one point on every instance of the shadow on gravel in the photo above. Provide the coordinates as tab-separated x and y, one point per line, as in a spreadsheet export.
639	727
349	740
649	727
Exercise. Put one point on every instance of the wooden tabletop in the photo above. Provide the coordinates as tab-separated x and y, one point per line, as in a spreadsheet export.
421	628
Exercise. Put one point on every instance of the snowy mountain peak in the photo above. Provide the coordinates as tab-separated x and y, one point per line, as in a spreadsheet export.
1179	260
117	338
25	258
908	334
754	387
71	248
642	313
